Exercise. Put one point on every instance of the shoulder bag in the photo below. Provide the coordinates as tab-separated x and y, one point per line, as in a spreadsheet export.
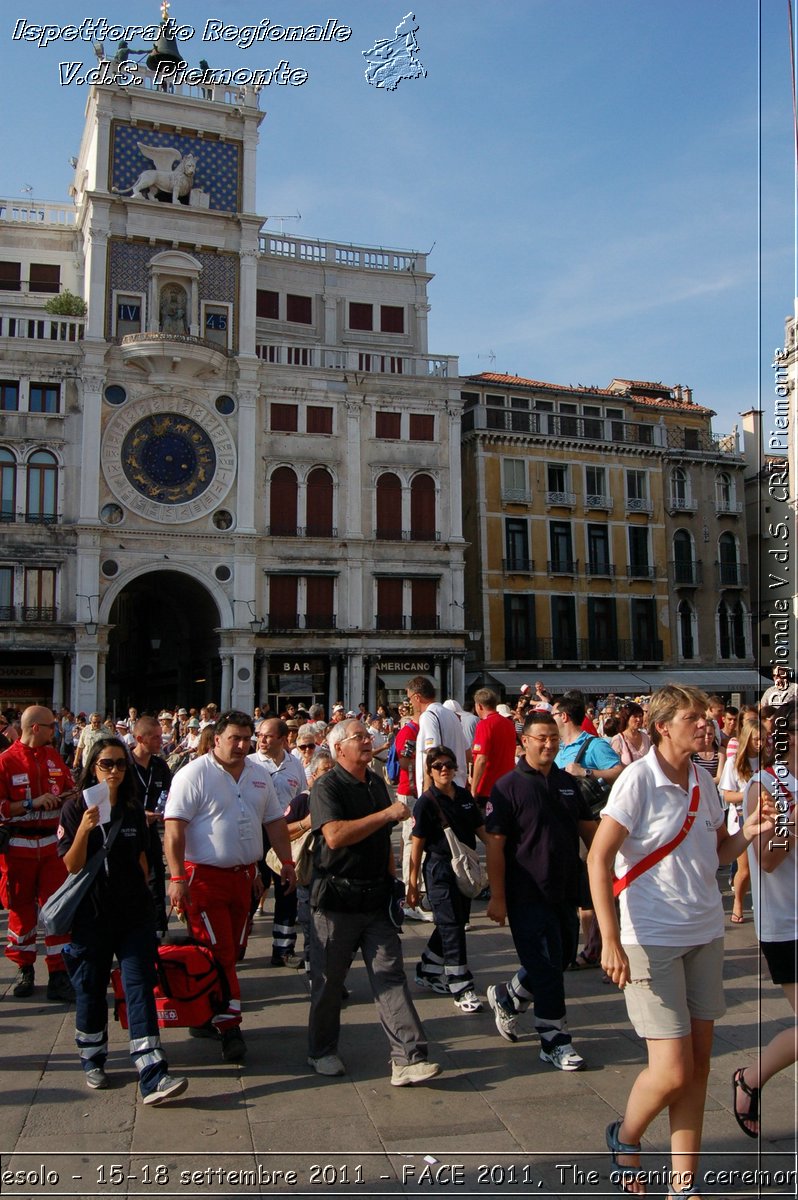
469	873
58	912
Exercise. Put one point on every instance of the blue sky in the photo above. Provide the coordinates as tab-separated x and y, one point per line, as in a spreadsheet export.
588	171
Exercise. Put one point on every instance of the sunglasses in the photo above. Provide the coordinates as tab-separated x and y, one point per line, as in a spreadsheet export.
111	764
443	766
307	746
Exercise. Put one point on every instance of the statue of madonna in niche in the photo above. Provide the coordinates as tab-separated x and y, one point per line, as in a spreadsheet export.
173	310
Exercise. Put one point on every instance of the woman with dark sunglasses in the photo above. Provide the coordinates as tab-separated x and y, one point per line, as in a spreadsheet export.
115	918
444	964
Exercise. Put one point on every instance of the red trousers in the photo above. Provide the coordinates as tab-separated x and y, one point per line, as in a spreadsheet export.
33	871
218	908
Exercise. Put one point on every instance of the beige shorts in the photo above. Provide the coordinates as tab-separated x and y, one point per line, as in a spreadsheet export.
670	985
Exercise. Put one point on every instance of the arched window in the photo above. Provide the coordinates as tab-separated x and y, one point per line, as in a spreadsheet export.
731	630
724	638
389	507
8	485
678	488
686	642
283	503
319	503
724	491
684	567
728	566
42	502
422	508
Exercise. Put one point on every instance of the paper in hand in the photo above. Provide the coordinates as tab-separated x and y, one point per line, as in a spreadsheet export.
97	797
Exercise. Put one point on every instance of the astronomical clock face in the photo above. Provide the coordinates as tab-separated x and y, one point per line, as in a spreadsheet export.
168	460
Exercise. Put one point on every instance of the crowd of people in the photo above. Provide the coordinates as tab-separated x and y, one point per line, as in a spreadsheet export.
605	824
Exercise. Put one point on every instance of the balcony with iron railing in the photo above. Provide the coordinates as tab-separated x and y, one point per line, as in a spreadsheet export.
731	574
682	504
278	622
638	504
490	418
562	566
702	443
641	570
561	499
594	500
408	535
516	496
12	518
620	651
302	531
599	568
518	566
685	572
417	623
728	508
28	614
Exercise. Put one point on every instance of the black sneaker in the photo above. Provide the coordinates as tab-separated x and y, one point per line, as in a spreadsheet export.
282	960
23	985
234	1048
60	988
208	1030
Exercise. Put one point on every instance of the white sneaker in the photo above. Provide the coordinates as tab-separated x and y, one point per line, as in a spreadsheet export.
435	983
168	1086
506	1023
418	914
96	1078
328	1064
563	1057
469	1002
404	1074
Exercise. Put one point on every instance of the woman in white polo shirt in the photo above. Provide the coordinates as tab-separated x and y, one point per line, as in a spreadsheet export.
662	831
774	888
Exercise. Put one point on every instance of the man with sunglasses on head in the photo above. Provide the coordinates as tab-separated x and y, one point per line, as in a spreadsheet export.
353	879
34	780
533	820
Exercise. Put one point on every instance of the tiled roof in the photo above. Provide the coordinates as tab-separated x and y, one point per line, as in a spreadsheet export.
657	402
519	381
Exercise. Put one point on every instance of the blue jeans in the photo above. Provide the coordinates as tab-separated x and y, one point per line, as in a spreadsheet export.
89	961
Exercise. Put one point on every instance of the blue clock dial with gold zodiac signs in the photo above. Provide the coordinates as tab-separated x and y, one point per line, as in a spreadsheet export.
168	458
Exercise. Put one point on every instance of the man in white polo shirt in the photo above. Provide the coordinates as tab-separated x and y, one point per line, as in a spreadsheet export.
217	808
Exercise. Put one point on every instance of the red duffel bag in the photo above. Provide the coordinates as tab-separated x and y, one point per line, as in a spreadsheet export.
192	988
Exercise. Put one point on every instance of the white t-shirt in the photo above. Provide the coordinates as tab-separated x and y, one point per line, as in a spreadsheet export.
774	893
438	726
676	902
288	779
223	815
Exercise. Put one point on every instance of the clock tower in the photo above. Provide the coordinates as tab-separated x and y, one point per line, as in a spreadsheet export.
165	196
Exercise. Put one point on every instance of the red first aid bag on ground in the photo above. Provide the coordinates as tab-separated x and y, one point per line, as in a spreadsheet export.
191	987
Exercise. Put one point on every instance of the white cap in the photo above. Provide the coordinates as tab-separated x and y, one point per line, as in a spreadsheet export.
453	706
525	689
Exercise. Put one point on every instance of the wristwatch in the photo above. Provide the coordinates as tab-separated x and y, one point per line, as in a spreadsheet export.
27	804
588	772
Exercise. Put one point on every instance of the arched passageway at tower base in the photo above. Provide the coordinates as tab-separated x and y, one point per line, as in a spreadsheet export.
162	650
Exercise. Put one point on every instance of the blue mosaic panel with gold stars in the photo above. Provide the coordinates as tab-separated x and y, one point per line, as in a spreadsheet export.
218	163
128	271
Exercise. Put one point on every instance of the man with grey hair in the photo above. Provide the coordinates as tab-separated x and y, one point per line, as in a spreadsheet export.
353	880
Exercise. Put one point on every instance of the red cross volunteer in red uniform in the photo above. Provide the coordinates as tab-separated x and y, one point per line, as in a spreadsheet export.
214	816
34	779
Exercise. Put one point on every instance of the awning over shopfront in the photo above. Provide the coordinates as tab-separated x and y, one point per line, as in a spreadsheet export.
633	683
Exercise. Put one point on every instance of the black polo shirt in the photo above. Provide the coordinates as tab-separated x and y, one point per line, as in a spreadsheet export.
338	796
539	816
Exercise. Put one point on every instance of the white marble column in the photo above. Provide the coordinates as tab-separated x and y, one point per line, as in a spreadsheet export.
227	679
58	681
